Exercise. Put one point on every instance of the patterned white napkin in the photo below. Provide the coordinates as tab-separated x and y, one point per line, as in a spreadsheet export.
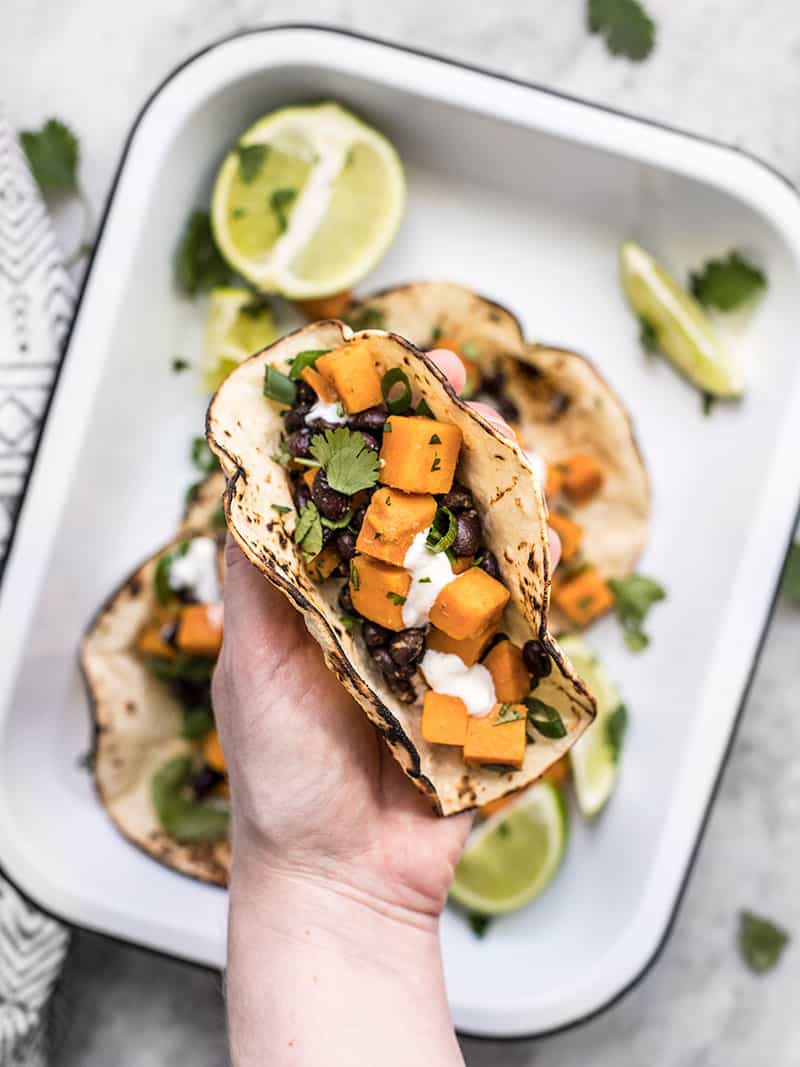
36	302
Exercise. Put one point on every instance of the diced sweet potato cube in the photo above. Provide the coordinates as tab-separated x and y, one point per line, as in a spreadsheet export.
444	719
151	643
570	532
419	454
584	597
200	629
558	773
212	752
324	564
554	480
512	682
320	385
498	737
379	591
469	604
582	477
462	563
392	521
352	372
469	649
328	307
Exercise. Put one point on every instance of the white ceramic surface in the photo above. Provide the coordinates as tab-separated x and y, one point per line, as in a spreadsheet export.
525	196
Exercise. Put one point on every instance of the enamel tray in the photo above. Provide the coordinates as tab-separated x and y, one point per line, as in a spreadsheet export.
525	195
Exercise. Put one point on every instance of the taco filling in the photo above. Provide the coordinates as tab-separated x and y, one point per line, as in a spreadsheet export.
398	542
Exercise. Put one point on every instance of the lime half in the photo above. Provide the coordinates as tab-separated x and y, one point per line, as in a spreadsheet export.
512	857
595	755
308	201
237	326
681	327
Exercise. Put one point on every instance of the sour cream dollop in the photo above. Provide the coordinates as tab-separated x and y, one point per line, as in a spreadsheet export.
196	571
448	674
430	572
327	412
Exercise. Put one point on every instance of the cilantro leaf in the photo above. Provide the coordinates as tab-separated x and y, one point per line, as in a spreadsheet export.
280	202
308	531
349	465
727	283
616	725
791	575
251	160
478	923
648	338
633	598
53	154
187	820
202	456
628	29
761	942
199	265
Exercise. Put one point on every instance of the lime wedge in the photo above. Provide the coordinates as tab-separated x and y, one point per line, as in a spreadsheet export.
512	857
595	755
308	201
237	326
682	329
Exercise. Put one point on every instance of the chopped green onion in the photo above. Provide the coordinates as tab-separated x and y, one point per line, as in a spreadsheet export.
438	541
545	719
278	387
280	508
305	359
435	440
338	524
396	598
401	403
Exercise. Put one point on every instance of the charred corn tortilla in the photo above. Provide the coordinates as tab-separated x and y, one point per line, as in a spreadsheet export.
565	404
137	722
244	430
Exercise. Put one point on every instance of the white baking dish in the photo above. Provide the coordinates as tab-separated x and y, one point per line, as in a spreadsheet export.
525	195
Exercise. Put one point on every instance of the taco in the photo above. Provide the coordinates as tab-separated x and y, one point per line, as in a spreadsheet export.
412	537
147	660
563	409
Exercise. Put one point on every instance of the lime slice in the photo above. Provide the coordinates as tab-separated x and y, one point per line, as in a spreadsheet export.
682	329
308	201
512	857
595	755
236	327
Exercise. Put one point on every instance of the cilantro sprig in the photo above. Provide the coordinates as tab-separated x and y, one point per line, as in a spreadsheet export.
727	283
633	598
199	265
628	29
308	531
348	464
53	154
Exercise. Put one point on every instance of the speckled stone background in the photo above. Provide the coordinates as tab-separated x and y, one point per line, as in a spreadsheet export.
728	68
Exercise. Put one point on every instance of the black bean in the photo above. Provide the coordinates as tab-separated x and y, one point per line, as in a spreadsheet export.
357	520
468	534
375	636
169	633
458	499
407	647
304	394
404	691
319	425
489	564
342	569
370	442
507	408
302	495
332	504
346	601
328	536
369	421
295	418
299	444
205	780
493	381
392	671
346	544
536	658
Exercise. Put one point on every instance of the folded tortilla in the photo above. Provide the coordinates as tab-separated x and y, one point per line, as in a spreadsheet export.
137	721
244	430
565	404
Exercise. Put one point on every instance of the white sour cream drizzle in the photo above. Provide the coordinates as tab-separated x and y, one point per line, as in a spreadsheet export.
327	412
430	572
196	572
447	673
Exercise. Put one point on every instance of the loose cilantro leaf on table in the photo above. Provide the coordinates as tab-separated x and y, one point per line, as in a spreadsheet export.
627	28
633	598
251	160
727	283
179	364
308	531
761	942
478	923
791	575
349	465
199	264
